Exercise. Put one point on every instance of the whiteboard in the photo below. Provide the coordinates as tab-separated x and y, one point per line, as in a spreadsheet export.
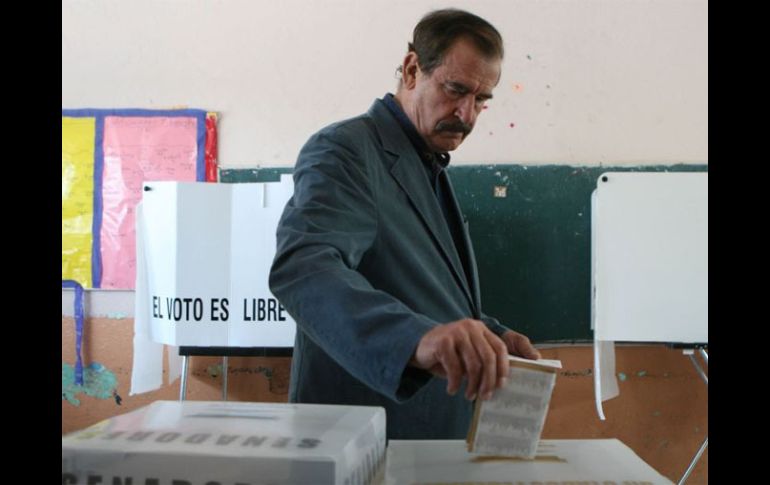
650	257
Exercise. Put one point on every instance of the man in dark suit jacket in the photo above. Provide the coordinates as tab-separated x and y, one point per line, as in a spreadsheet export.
374	261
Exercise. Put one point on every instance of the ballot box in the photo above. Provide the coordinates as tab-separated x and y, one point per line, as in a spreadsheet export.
229	443
447	462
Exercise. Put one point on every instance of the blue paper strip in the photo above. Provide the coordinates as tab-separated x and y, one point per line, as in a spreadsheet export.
79	313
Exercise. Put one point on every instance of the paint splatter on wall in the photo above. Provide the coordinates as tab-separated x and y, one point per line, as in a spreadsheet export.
98	382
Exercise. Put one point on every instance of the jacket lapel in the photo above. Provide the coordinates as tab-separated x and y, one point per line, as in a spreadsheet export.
408	172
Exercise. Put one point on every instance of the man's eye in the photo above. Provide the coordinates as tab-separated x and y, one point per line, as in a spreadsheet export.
454	91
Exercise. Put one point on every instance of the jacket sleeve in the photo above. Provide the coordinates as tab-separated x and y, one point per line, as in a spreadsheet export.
325	231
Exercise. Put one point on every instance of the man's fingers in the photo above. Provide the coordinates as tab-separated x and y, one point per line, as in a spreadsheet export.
450	361
520	345
473	367
501	358
487	363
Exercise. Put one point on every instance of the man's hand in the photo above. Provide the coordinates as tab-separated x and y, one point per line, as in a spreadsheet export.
520	345
465	348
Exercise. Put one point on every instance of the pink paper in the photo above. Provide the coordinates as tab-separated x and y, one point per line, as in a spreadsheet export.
137	150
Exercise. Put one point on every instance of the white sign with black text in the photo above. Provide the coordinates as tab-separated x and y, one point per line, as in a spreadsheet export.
207	253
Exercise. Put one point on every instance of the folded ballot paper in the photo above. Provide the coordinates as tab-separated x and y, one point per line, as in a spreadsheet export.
204	443
510	423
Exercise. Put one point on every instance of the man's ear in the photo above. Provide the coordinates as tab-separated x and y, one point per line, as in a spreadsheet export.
409	70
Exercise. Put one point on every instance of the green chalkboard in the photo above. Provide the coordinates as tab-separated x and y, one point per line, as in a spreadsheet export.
532	243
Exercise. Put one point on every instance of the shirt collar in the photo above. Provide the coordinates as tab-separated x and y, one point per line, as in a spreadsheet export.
435	160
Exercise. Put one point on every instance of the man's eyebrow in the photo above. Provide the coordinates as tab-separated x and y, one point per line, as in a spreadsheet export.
462	88
458	86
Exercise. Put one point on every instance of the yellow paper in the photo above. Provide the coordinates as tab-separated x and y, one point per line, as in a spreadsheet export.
77	195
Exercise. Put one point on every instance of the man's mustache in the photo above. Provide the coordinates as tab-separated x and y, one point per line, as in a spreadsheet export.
454	126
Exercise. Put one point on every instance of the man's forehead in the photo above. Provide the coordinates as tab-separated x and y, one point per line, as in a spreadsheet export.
474	76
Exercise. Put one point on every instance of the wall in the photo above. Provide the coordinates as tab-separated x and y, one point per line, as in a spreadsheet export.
584	82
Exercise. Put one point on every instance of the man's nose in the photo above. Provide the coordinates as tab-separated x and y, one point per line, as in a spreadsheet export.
466	110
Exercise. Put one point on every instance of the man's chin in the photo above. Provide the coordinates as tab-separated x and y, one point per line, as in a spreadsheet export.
447	144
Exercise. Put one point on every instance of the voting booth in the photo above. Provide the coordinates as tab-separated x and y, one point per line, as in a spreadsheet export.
204	253
649	255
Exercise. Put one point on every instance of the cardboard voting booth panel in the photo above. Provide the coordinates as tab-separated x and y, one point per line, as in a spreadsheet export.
200	442
204	256
649	265
650	257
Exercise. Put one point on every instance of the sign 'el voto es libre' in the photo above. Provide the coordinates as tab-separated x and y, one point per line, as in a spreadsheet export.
203	258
